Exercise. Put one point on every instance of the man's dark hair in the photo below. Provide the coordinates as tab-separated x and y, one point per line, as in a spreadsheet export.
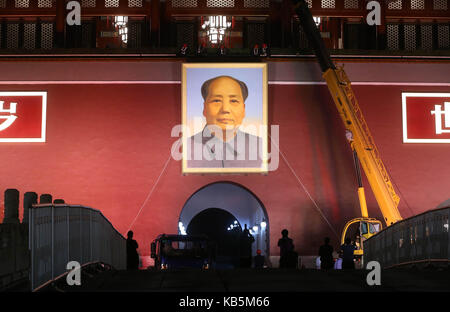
284	233
327	240
205	86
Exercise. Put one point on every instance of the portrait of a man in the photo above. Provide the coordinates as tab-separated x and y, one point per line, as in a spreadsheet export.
224	134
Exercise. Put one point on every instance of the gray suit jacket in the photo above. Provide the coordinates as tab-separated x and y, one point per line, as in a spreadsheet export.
207	151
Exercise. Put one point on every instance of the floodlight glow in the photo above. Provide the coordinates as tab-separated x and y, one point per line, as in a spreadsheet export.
317	20
215	28
181	228
255	228
120	21
263	224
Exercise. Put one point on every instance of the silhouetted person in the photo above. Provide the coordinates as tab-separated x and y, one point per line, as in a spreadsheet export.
286	250
357	239
132	255
326	255
197	250
259	260
338	263
245	242
347	254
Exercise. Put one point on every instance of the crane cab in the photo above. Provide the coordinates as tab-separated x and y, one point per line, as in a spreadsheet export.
360	229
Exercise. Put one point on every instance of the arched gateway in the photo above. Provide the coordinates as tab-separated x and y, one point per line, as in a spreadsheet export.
236	200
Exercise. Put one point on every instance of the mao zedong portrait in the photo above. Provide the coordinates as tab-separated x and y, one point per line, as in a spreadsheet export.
222	144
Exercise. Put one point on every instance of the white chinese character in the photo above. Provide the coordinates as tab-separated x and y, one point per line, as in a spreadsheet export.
8	119
438	117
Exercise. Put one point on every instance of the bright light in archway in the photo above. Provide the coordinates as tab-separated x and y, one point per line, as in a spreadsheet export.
181	228
263	224
228	220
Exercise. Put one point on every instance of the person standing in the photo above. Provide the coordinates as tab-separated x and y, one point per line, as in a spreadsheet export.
132	254
286	249
259	260
326	255
246	241
348	254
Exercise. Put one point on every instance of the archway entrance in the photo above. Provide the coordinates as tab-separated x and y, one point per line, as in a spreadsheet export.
216	224
215	207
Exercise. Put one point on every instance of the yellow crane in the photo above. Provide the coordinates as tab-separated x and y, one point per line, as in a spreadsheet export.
361	141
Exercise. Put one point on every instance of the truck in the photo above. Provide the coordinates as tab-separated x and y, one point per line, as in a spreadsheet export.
174	251
358	135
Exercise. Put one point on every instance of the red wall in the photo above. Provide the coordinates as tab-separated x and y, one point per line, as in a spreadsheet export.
108	144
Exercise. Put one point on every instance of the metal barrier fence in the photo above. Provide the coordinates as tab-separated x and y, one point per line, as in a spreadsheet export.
14	254
63	233
422	238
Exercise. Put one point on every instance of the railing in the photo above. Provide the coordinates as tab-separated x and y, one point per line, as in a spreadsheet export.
393	8
424	238
60	234
88	7
408	25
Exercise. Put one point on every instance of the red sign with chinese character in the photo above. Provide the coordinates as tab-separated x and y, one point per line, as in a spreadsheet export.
22	116
426	117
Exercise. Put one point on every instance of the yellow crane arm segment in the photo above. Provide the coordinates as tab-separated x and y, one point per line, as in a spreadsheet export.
340	88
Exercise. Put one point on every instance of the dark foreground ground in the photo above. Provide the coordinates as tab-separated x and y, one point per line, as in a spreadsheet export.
245	290
267	280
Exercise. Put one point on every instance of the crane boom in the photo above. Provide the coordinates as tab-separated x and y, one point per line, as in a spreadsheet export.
340	88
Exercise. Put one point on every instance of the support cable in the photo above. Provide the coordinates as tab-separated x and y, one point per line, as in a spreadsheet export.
153	188
304	188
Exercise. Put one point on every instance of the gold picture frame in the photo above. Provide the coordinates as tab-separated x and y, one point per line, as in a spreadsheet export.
254	126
